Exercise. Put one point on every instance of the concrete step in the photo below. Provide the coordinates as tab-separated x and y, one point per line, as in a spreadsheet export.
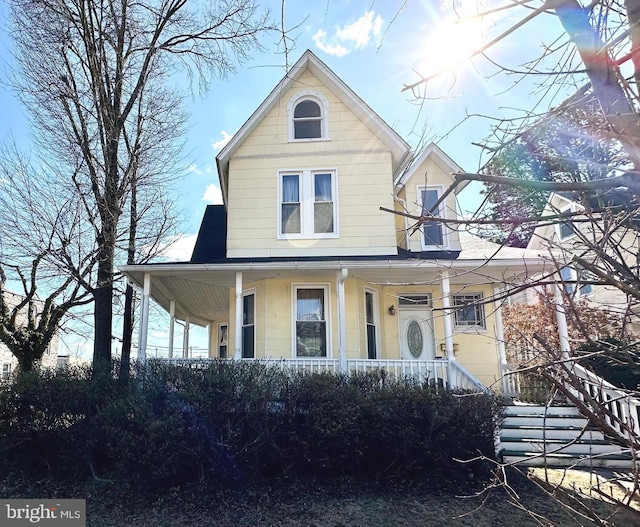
533	409
550	432
533	459
580	448
555	421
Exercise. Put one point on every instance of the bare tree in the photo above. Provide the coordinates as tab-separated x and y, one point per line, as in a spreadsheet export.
95	75
597	52
47	256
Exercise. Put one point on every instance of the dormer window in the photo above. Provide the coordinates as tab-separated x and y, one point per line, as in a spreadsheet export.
433	234
308	120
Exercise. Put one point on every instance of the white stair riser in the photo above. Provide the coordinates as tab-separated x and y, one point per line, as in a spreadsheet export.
541	410
555	462
539	433
573	448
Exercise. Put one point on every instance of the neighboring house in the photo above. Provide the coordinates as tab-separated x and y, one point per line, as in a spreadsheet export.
301	265
575	236
9	362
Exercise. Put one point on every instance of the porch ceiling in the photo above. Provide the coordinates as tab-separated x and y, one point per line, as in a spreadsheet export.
202	291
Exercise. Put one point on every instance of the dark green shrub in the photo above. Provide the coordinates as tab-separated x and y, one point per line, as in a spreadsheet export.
233	421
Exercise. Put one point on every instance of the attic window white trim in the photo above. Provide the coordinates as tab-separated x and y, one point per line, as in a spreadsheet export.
441	212
323	118
566	229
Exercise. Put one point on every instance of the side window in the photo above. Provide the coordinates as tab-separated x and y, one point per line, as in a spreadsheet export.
469	310
223	336
432	232
248	326
566	228
370	320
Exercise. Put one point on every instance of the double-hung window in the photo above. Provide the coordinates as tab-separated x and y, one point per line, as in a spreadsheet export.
469	310
310	312
432	231
223	340
308	206
576	276
371	324
566	228
248	325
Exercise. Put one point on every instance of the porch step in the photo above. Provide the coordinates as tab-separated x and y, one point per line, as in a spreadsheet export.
533	435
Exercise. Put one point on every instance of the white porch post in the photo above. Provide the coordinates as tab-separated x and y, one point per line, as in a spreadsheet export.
502	352
342	318
210	340
238	339
563	328
185	339
448	324
144	318
172	325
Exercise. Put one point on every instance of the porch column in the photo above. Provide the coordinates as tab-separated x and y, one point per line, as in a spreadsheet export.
238	339
563	328
210	340
185	339
172	325
448	324
342	318
144	318
502	352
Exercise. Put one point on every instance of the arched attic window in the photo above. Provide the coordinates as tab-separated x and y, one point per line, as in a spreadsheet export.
308	117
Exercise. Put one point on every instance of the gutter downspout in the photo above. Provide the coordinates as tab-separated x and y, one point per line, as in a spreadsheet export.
238	338
448	326
502	352
342	316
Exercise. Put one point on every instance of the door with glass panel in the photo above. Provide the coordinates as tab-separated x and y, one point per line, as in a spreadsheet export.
415	328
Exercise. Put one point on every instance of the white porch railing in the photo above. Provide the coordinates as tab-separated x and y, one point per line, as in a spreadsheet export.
622	410
437	372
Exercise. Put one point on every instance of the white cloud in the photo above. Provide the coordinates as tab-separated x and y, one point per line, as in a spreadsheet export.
179	248
336	49
219	145
213	195
193	168
359	35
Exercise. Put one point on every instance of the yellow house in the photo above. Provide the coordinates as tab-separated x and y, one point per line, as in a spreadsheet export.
303	267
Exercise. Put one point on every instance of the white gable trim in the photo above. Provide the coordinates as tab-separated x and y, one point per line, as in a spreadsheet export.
447	165
400	149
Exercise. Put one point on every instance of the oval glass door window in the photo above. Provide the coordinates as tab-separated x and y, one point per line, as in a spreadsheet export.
414	339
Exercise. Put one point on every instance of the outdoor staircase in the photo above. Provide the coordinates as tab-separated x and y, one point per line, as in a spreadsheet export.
535	435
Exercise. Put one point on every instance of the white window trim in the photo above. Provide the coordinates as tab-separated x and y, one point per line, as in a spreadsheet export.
248	292
443	214
474	327
327	302
567	208
307	199
574	282
324	109
376	320
218	335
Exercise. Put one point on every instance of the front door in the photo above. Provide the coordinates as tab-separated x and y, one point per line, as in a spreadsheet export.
416	334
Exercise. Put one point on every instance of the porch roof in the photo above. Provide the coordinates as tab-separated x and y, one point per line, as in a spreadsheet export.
201	290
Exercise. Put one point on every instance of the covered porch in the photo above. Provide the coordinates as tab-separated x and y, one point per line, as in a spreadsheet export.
393	314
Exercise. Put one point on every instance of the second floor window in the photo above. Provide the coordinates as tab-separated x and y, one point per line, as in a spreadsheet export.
432	232
307	207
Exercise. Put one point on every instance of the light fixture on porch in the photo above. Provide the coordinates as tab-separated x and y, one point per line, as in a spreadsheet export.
392	310
443	347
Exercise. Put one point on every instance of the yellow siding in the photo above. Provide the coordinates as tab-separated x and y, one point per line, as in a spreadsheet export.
364	177
477	349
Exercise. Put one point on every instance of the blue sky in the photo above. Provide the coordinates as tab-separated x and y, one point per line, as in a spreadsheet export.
375	47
